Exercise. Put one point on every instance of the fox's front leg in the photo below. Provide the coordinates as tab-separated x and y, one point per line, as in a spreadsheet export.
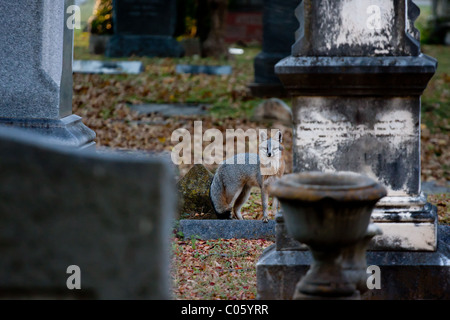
265	203
275	205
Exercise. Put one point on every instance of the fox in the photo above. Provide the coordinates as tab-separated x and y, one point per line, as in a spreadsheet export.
233	180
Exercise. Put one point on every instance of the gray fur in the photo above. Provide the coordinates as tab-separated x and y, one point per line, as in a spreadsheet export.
233	180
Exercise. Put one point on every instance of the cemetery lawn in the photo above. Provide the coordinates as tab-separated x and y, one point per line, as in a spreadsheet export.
225	269
103	102
215	269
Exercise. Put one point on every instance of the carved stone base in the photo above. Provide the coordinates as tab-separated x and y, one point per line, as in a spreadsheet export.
69	131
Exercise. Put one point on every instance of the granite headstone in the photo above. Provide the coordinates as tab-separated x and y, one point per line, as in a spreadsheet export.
36	71
144	28
279	26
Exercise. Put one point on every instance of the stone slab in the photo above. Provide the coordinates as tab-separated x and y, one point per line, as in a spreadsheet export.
121	45
228	229
68	131
404	275
373	76
431	187
169	110
107	213
107	67
211	70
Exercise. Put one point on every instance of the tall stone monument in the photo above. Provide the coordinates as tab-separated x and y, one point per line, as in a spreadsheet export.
36	71
356	75
279	25
144	28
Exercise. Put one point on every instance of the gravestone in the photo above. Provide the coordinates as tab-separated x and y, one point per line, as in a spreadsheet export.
279	25
144	28
194	189
36	71
440	20
107	213
356	84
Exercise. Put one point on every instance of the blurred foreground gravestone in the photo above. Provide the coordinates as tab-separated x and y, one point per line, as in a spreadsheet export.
356	84
36	71
144	28
108	214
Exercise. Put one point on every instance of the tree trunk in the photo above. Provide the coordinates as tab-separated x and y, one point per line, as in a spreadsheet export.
214	45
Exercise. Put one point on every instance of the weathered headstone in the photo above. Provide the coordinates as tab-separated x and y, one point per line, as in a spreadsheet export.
279	25
144	28
108	214
227	229
36	71
356	87
194	190
356	83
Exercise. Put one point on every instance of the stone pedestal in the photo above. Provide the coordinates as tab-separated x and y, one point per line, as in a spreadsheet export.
356	75
36	71
279	25
404	275
144	28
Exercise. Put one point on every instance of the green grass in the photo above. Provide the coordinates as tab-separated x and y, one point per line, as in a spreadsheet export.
436	97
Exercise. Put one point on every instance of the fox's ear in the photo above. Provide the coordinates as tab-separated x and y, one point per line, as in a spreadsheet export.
262	135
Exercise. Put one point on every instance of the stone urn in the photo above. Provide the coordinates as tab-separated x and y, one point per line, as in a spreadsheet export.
330	213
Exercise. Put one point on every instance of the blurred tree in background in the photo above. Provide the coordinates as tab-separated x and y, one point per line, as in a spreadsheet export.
205	20
101	22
